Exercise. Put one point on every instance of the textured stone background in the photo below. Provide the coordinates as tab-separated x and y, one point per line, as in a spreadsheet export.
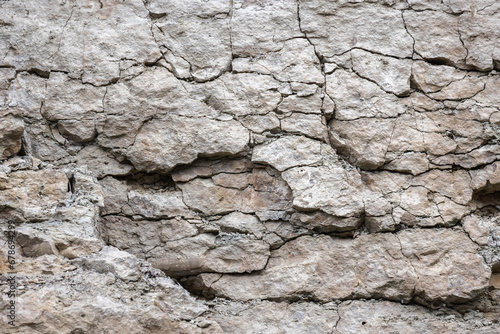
265	166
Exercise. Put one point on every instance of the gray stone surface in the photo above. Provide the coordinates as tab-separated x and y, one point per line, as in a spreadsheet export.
297	166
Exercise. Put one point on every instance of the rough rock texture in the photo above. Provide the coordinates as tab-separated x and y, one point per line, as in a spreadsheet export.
242	166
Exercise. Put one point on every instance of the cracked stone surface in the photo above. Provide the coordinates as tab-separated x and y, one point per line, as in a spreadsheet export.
291	166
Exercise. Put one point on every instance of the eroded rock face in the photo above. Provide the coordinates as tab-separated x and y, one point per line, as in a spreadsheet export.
324	24
377	261
195	36
56	216
64	47
461	274
373	316
12	131
394	267
250	166
183	135
288	152
277	317
97	304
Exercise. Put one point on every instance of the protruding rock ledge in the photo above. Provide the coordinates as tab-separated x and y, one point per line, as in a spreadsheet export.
433	265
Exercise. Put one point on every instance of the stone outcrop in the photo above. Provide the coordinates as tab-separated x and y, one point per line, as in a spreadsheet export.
395	267
244	166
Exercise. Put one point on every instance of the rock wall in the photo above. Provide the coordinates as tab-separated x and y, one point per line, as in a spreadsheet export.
216	166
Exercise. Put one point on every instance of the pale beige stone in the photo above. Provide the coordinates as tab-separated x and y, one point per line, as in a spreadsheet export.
295	61
179	248
6	76
454	185
80	131
64	306
102	163
177	140
115	195
322	222
304	104
285	230
446	263
422	102
297	166
432	78
110	259
70	99
303	89
434	198
365	141
237	94
360	317
10	135
45	265
486	179
436	36
197	32
480	230
459	90
439	144
411	162
241	223
418	202
331	188
85	40
261	123
484	155
26	93
17	191
356	97
275	317
406	136
478	35
310	125
335	29
230	180
317	260
391	74
451	212
119	125
209	253
139	236
157	204
287	152
205	168
267	193
261	27
488	96
385	223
